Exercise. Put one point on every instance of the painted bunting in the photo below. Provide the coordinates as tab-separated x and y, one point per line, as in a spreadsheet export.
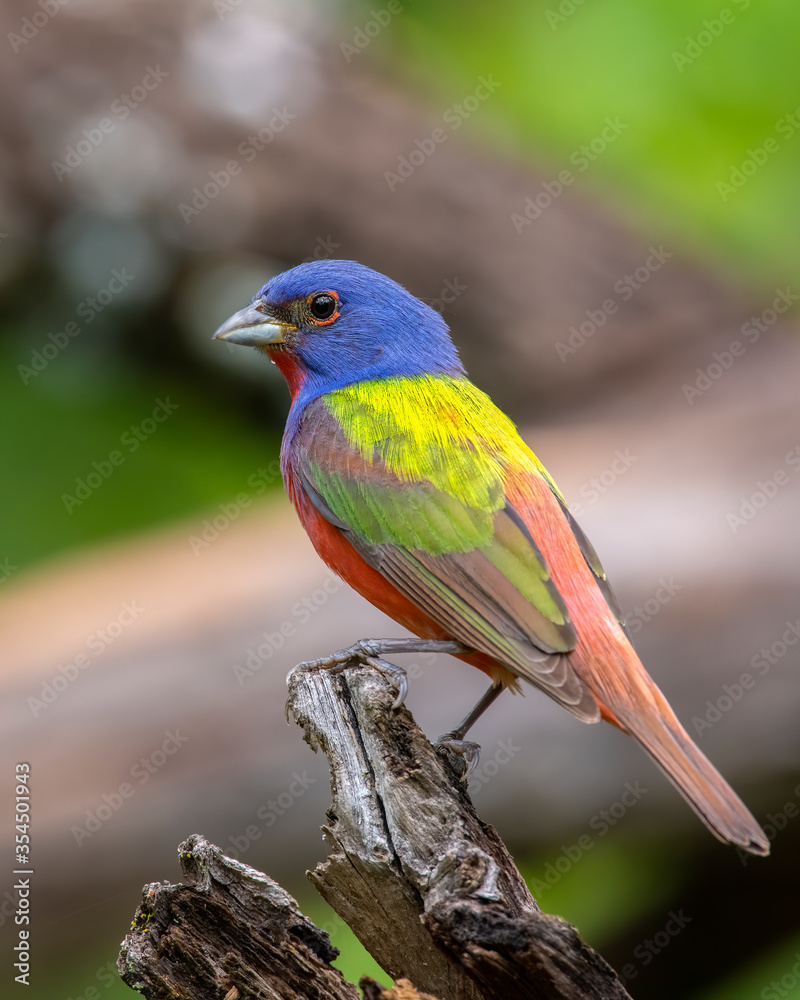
418	491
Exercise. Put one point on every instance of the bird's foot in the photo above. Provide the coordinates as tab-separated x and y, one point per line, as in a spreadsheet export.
469	752
365	651
371	652
359	652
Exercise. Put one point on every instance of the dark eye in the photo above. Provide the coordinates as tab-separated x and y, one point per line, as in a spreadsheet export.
324	307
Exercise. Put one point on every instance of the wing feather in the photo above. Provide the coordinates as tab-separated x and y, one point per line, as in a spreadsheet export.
476	571
594	564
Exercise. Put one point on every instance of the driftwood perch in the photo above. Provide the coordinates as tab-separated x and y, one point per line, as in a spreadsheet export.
228	932
429	889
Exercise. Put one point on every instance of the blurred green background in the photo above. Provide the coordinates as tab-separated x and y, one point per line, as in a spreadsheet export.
697	96
690	122
702	96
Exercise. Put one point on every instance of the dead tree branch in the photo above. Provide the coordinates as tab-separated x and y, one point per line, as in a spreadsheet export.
430	890
227	931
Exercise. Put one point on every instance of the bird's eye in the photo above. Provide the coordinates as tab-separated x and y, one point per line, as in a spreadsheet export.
324	307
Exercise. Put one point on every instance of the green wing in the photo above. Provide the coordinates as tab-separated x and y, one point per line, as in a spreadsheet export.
463	556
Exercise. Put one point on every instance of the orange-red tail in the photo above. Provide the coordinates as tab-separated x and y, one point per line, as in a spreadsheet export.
653	724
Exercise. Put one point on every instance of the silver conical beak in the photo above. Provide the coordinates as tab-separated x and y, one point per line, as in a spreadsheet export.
252	328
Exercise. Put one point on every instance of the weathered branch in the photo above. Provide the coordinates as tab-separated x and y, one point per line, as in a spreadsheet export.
430	890
232	933
228	932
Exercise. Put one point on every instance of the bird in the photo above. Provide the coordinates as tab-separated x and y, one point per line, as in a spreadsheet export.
420	493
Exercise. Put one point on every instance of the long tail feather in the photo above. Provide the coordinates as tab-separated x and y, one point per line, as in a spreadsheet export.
665	740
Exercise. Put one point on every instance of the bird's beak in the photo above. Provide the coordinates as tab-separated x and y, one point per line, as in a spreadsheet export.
252	328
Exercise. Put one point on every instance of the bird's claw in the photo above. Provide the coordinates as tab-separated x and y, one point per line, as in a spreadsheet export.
359	652
365	651
396	675
469	752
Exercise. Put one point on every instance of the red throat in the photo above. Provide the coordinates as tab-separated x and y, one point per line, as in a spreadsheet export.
291	370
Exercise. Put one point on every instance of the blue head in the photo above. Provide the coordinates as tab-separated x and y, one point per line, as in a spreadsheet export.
330	323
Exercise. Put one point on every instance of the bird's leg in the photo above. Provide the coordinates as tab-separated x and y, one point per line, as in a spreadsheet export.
454	740
371	652
364	649
473	715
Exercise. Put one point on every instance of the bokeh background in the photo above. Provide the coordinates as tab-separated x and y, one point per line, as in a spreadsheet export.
609	207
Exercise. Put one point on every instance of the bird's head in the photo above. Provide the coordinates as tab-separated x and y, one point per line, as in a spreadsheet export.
330	323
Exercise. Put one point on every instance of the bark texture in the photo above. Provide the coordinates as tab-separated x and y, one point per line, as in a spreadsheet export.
429	889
